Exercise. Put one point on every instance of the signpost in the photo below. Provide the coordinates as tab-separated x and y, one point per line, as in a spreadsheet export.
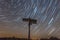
30	22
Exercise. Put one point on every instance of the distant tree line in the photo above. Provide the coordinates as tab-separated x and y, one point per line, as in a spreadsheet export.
51	38
13	38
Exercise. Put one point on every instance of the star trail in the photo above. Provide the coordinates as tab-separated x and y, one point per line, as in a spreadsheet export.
46	12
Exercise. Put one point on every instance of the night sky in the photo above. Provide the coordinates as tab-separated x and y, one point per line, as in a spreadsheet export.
46	12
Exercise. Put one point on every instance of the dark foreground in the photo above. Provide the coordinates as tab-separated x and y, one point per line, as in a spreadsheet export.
13	38
51	38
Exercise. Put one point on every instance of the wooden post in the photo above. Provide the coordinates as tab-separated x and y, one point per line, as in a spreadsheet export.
30	22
